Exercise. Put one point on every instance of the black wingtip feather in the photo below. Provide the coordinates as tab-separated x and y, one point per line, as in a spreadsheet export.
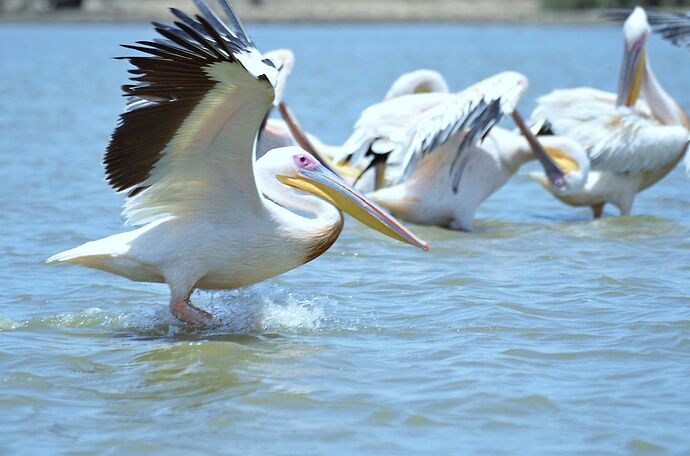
480	121
235	20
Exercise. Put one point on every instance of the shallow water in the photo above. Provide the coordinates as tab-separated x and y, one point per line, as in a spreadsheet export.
542	332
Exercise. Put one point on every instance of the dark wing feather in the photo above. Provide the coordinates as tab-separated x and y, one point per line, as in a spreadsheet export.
479	122
674	27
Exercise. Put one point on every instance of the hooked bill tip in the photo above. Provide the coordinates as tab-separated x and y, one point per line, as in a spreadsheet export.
558	181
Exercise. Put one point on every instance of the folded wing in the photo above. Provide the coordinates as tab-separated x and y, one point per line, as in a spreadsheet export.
616	139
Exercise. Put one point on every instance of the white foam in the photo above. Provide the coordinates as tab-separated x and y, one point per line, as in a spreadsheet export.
268	307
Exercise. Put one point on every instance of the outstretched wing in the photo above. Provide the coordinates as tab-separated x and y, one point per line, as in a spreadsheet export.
185	143
616	139
407	128
674	27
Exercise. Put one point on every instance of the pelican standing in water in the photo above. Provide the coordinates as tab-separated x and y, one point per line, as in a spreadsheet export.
631	143
675	28
212	217
430	163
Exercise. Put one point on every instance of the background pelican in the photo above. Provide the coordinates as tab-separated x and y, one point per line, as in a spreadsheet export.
631	143
673	27
212	218
430	168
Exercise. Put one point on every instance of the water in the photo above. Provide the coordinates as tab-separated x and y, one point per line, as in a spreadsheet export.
542	332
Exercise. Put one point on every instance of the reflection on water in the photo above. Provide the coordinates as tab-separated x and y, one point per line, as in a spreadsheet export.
541	332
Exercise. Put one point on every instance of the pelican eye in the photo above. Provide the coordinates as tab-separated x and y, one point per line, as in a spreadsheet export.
305	161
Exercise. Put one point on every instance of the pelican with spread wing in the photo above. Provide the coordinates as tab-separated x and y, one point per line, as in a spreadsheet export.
211	216
438	156
631	143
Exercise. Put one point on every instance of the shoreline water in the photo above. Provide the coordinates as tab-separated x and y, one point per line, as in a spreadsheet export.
321	11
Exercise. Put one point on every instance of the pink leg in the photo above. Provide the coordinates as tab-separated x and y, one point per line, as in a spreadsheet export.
184	311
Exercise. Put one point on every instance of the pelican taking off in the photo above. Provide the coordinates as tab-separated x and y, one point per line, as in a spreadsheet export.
211	217
431	163
631	143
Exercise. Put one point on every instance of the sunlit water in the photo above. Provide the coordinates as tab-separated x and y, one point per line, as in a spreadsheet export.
542	332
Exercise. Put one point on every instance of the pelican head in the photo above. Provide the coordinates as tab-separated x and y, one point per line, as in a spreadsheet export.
299	170
570	158
635	33
284	61
418	81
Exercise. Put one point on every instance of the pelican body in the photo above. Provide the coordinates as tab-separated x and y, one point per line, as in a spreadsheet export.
631	143
209	215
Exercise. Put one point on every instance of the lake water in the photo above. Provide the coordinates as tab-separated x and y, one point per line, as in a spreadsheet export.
541	333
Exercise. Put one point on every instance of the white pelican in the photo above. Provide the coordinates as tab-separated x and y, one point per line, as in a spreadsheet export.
211	217
675	28
430	169
631	143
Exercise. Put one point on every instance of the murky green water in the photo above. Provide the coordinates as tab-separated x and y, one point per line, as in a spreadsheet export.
541	333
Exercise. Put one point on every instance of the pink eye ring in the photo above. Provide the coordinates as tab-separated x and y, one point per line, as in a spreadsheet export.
305	161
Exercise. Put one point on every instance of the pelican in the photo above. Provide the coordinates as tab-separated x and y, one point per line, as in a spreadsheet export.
430	163
675	28
631	144
209	215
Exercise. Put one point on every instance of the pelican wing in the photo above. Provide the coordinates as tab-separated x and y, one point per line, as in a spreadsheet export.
406	128
672	26
617	139
184	144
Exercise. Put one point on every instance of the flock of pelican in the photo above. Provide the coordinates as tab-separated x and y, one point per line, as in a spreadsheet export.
221	195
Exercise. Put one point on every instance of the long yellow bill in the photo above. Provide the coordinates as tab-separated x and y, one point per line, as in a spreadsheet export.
327	185
632	73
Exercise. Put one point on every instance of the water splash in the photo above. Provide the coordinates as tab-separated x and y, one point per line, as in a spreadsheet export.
268	307
262	308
